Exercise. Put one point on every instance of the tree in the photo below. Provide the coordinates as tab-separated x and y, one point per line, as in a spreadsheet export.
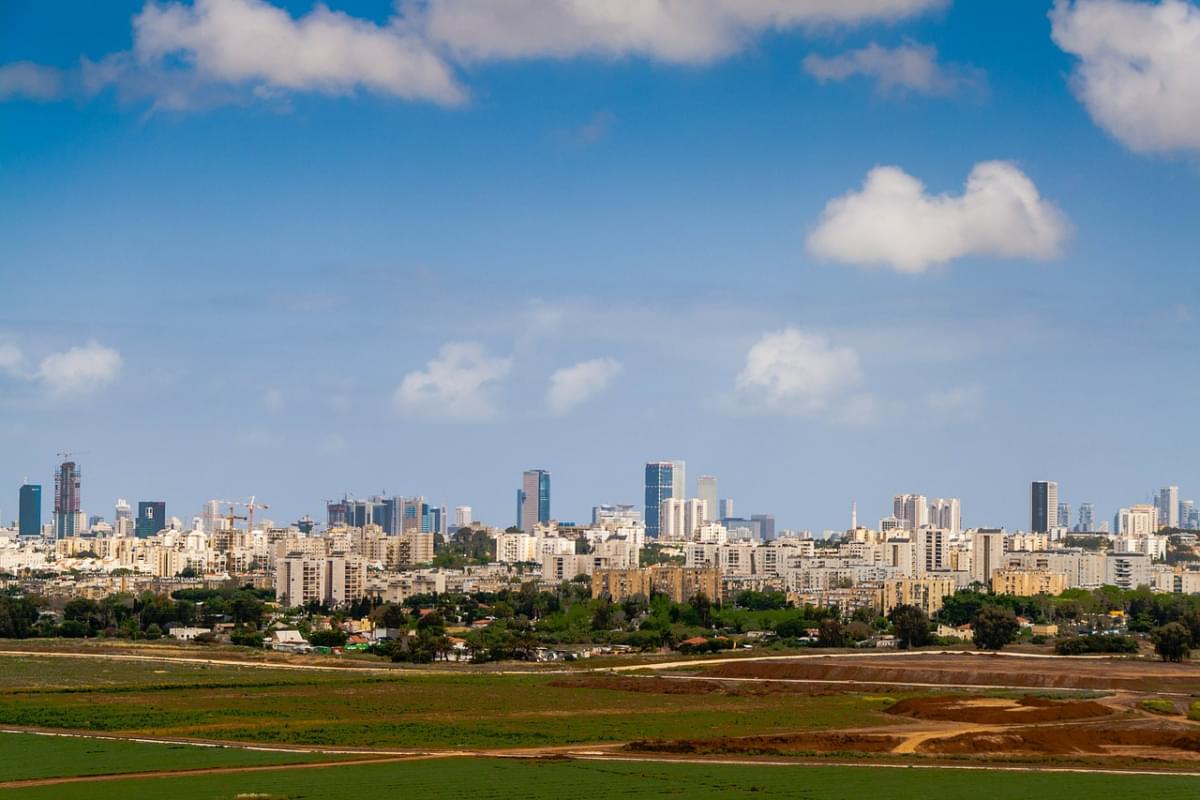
329	638
1171	641
910	625
830	634
994	627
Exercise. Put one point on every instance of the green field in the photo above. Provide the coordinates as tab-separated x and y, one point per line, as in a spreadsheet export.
507	779
24	756
476	710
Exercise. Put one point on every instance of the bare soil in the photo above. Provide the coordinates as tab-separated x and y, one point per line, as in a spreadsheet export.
998	711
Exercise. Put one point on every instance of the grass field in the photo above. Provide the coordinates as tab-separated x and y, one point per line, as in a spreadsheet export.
401	710
513	779
24	756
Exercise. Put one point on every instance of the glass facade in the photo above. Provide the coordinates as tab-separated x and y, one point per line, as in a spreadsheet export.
151	518
660	485
31	510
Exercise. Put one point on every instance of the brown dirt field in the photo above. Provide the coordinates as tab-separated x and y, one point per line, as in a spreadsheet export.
1172	742
786	744
976	669
997	711
645	685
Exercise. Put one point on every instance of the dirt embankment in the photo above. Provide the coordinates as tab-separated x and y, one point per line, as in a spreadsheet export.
1146	742
787	744
668	686
997	711
977	670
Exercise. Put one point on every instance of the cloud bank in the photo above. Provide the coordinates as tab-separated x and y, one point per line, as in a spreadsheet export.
79	370
795	372
894	222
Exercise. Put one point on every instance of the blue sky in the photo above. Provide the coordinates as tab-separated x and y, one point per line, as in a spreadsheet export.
293	271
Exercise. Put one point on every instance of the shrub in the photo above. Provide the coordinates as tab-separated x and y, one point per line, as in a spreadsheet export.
1096	643
1158	706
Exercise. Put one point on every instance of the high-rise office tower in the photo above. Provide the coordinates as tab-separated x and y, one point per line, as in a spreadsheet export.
946	513
726	509
31	510
463	517
1043	506
661	484
1168	507
535	499
67	483
678	479
415	516
151	518
766	526
1064	515
706	490
1187	509
911	509
123	518
1087	517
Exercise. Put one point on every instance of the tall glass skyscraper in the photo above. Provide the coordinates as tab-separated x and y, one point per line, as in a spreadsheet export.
1044	506
31	510
664	479
533	499
151	518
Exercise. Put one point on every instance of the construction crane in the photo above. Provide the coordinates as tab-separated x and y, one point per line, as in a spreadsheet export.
251	507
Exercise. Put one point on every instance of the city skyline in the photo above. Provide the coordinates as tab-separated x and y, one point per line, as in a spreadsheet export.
665	480
589	252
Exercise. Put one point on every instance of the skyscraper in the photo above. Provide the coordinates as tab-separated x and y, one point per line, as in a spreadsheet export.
661	484
946	513
1087	517
1064	515
726	508
123	519
535	499
766	526
31	510
912	509
1168	506
463	517
706	490
151	518
66	500
1043	506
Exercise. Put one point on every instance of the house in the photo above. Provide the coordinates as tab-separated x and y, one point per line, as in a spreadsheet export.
962	632
288	640
185	633
1044	629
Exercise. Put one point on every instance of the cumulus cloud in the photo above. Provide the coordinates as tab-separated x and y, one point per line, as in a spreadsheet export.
455	385
180	52
79	370
665	30
893	221
24	79
908	68
573	385
1139	68
795	372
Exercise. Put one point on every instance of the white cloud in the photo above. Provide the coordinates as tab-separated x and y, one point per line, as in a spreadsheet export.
573	385
455	385
183	53
687	31
79	370
1139	69
24	79
273	400
893	221
910	67
794	372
